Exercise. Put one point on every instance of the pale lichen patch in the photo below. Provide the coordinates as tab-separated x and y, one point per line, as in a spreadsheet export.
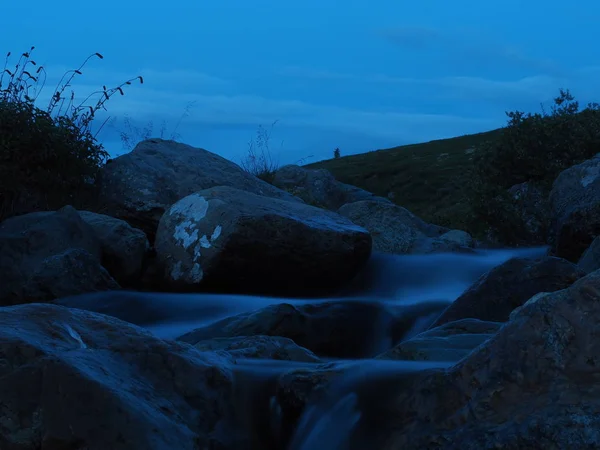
193	207
216	233
186	233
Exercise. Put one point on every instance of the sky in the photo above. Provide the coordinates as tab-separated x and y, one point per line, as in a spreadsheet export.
356	75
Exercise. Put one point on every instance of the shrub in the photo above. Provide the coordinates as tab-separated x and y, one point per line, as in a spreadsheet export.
259	161
532	148
48	157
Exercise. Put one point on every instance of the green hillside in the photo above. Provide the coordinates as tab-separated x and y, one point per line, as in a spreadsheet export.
428	178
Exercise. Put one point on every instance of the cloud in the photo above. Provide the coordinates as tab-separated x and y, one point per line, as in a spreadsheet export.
467	45
467	88
245	110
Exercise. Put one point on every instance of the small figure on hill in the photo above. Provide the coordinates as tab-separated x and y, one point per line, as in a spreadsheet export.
336	153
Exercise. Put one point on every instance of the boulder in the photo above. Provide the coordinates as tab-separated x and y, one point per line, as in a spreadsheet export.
73	379
140	185
532	385
575	206
449	342
227	240
394	229
45	255
123	247
590	260
457	241
319	187
259	347
498	292
334	329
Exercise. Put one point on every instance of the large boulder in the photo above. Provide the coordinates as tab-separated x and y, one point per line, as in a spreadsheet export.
532	385
46	255
319	187
225	239
140	185
575	203
335	329
394	229
123	247
498	292
73	380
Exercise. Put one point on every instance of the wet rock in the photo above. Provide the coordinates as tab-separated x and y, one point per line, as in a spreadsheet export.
532	385
259	347
335	329
449	342
74	379
227	240
457	241
508	286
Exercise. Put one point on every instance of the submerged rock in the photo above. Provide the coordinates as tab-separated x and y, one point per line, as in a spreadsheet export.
449	342
259	347
335	329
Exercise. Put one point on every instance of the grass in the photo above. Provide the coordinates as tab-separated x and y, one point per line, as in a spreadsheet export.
429	179
259	161
132	135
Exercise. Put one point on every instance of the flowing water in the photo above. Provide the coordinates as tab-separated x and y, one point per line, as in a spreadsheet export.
329	422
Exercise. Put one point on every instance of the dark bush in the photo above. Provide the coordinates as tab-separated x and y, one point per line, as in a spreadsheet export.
48	158
532	148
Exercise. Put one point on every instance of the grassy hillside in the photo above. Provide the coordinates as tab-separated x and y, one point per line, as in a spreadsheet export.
427	178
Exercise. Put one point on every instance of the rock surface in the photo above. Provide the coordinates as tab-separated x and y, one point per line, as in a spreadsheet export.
394	229
575	203
73	379
46	255
259	347
498	292
449	342
590	260
227	240
320	188
140	185
532	385
340	329
123	247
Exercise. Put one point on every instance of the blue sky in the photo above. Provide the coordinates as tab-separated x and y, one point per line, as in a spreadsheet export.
358	75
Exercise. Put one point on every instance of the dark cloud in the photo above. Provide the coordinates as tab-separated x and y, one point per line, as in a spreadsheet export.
468	46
